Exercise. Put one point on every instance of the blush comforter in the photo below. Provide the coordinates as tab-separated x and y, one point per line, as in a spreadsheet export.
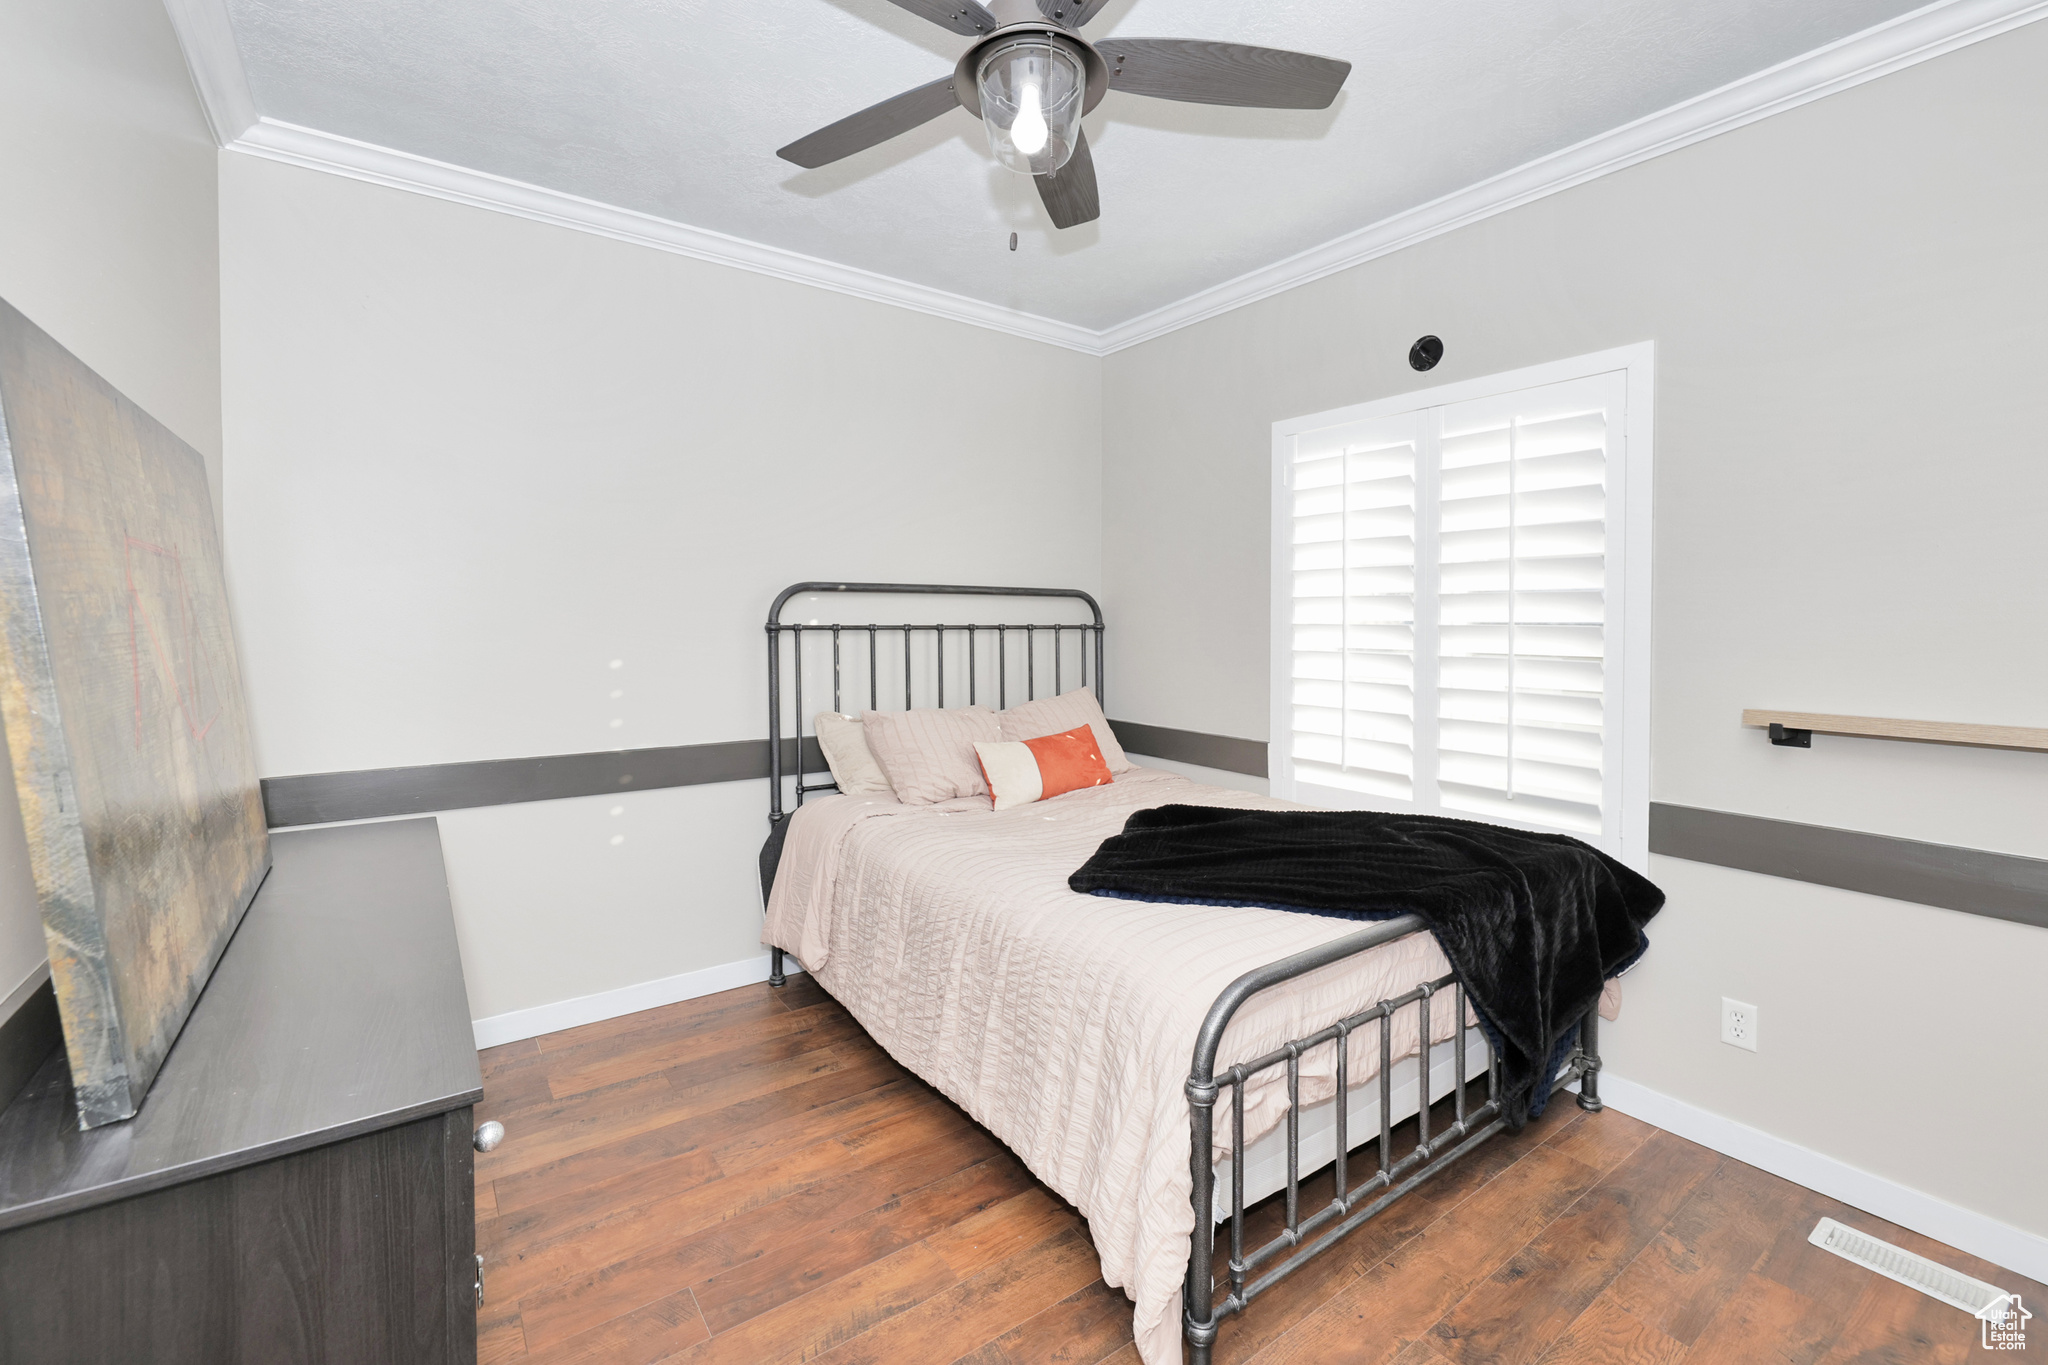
1065	1023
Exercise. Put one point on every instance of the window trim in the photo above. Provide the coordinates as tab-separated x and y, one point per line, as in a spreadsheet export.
1637	363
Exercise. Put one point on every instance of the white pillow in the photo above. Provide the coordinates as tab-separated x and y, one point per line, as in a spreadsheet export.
844	741
928	755
1057	715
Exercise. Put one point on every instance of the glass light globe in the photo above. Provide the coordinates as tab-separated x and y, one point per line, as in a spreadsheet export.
1031	89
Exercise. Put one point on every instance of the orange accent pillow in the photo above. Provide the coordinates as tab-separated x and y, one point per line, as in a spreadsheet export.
1022	771
1069	761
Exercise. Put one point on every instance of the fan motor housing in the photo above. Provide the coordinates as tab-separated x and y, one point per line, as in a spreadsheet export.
967	75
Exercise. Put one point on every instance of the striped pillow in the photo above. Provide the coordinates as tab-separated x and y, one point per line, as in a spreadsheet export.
1053	715
928	755
845	746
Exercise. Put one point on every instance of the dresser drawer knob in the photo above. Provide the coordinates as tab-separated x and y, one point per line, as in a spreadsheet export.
490	1135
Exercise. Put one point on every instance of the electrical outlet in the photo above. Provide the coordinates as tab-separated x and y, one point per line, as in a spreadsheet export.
1738	1024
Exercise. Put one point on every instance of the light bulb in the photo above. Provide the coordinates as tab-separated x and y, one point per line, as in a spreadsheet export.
1029	131
1032	90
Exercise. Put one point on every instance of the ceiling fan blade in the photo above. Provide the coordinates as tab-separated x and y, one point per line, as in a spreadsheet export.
1069	192
1199	72
875	124
1072	13
962	16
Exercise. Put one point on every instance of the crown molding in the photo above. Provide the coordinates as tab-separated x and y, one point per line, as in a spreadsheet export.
1901	42
320	151
1941	27
208	40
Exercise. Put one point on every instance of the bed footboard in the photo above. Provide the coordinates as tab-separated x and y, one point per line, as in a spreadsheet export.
1352	1201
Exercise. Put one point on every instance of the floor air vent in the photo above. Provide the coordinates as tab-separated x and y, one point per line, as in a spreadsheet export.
1894	1263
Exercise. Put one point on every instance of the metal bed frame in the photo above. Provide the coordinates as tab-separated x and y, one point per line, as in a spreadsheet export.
1205	1303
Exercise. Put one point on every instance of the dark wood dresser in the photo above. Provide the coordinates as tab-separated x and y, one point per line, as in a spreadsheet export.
297	1187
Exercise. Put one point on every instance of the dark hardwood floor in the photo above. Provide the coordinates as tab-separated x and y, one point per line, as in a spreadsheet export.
748	1178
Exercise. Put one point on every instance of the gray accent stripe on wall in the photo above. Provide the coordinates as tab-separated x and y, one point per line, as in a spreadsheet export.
1230	754
27	1037
1974	880
375	793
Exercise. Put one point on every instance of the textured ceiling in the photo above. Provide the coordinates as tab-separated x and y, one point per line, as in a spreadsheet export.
675	108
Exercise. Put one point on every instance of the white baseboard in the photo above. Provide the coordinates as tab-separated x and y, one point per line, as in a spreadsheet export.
1976	1233
646	995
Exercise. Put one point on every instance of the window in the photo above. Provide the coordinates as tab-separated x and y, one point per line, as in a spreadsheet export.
1461	602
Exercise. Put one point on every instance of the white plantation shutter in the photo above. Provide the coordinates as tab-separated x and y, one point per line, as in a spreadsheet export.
1353	566
1522	604
1451	577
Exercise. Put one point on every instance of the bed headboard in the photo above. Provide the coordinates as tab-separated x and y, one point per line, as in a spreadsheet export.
858	660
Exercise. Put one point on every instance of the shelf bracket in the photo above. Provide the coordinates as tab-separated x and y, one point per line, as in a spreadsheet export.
1790	739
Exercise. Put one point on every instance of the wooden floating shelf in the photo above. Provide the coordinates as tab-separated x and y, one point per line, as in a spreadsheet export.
1930	731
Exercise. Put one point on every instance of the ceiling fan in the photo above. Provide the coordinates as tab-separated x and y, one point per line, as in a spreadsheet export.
1030	76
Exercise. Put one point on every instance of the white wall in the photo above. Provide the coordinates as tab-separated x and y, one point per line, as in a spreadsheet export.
107	224
473	460
107	242
1847	302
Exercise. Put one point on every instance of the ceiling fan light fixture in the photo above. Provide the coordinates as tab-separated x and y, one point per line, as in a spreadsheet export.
1031	89
1029	78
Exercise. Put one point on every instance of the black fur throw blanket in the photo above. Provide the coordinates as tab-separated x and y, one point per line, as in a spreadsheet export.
1533	924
